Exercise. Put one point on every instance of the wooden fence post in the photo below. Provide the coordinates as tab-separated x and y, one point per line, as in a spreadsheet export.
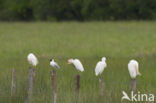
101	85
30	84
13	82
133	83
54	86
77	87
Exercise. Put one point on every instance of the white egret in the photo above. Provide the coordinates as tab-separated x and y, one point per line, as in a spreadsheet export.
54	64
98	71
32	59
76	62
133	67
100	66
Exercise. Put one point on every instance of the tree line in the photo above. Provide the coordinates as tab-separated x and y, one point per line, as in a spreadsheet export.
81	10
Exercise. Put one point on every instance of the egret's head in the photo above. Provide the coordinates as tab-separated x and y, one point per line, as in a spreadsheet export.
70	61
30	54
132	60
103	59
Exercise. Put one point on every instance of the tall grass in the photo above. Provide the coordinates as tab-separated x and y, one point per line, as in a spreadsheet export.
88	41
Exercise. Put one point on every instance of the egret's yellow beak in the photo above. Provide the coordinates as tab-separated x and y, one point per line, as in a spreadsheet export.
68	62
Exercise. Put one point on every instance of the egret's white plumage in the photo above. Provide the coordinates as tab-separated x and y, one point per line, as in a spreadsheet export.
32	59
100	66
133	68
54	64
76	62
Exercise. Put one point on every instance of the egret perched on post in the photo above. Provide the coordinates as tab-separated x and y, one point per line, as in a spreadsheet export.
54	64
100	66
78	65
133	68
32	59
76	62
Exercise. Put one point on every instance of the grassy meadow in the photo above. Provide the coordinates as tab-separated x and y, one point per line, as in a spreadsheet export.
88	41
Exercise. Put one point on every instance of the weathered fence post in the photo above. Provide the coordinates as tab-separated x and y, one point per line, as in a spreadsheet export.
30	84
133	83
54	86
13	82
101	85
77	87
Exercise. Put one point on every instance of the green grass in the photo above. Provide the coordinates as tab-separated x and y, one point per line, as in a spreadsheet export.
89	41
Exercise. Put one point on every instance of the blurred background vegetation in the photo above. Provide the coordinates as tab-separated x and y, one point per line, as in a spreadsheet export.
81	10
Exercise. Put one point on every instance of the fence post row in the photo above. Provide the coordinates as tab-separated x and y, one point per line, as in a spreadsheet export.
30	84
54	86
77	87
13	82
133	84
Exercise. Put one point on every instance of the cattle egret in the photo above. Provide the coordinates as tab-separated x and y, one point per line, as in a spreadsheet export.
133	67
76	62
100	66
54	64
32	59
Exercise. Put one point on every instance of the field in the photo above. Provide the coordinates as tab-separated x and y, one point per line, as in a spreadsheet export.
88	41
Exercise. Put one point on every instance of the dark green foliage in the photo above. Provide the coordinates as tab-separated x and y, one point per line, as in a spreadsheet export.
16	10
77	10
